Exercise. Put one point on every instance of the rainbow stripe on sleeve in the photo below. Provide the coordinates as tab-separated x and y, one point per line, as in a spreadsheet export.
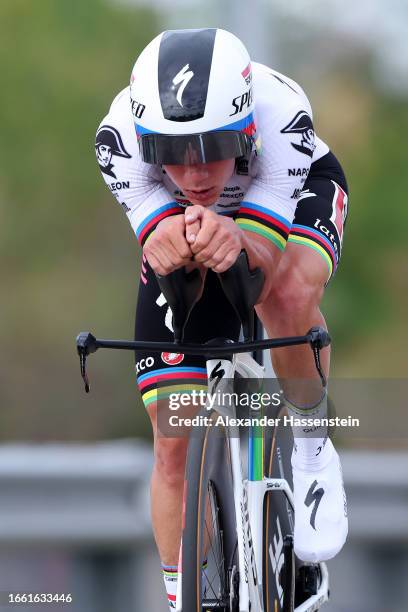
307	236
262	221
149	224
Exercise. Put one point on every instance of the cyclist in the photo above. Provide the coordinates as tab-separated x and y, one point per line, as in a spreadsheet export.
210	154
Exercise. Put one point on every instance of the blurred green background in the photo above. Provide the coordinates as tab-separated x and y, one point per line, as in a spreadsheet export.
69	260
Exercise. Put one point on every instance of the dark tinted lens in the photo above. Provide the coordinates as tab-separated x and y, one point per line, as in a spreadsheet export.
193	148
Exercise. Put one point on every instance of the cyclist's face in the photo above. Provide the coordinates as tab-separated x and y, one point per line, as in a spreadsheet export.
202	183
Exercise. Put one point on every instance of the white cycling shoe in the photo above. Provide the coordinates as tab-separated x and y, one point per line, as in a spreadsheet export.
321	524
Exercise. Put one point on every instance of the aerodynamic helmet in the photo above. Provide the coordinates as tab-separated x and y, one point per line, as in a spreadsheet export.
191	98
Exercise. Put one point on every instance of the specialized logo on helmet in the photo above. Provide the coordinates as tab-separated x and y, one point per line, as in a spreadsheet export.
302	125
182	78
107	144
172	358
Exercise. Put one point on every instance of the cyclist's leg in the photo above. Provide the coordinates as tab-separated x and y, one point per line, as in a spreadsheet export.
161	375
291	308
308	263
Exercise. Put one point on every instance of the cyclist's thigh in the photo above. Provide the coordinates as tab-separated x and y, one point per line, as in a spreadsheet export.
321	214
162	374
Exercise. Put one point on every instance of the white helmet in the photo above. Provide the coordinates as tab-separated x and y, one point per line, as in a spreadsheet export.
191	98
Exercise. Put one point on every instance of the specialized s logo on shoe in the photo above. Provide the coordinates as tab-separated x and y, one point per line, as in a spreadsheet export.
302	125
314	497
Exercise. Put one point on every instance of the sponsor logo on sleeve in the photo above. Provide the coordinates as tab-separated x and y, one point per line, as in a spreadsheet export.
296	193
109	144
302	132
339	210
298	172
319	225
125	207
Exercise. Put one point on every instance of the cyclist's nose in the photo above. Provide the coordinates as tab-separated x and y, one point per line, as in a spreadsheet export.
196	172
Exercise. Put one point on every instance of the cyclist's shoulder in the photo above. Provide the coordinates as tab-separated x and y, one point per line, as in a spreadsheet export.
119	115
115	141
276	94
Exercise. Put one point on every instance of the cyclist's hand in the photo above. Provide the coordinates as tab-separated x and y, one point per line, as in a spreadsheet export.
167	249
193	223
218	241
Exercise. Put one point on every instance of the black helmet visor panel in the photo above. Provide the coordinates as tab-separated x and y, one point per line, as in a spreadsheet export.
193	148
185	54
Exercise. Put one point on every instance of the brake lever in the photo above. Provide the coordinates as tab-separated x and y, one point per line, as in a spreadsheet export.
319	338
86	344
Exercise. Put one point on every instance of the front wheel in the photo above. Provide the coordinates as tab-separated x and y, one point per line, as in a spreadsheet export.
210	575
278	522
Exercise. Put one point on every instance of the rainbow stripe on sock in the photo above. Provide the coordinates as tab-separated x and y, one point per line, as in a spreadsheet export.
170	575
170	571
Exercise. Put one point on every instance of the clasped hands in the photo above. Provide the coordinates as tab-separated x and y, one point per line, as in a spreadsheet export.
200	235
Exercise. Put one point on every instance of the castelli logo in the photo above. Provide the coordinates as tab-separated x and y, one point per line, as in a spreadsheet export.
172	358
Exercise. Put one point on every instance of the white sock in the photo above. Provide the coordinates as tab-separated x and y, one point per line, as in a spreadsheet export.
170	576
310	449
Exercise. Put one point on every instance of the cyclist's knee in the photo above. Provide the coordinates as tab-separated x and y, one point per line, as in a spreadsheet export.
170	459
294	295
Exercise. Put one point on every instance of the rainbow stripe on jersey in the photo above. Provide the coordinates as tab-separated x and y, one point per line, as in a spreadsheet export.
307	236
148	225
262	221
